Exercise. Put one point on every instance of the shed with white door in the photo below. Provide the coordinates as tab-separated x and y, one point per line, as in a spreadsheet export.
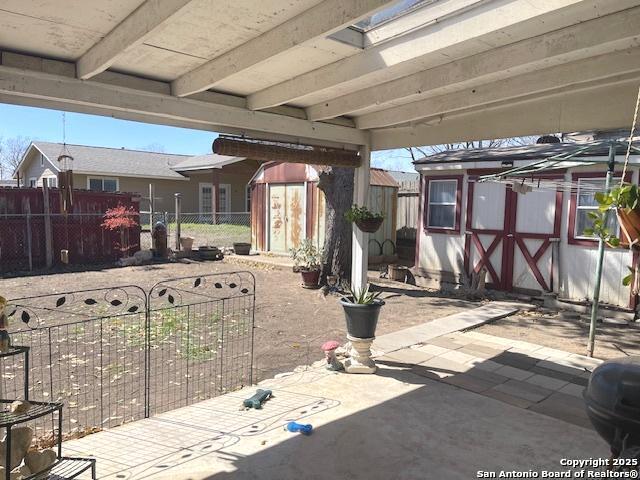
527	242
287	206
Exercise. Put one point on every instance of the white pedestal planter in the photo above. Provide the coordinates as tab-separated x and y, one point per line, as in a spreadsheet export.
360	360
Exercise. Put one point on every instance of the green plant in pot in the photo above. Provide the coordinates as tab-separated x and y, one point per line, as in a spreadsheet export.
365	219
361	311
308	261
625	201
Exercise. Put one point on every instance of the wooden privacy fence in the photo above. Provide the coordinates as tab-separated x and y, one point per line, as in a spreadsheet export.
34	230
407	213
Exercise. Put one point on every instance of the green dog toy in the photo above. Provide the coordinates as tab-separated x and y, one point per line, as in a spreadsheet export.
256	401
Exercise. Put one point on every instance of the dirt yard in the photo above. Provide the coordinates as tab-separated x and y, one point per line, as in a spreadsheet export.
291	322
570	335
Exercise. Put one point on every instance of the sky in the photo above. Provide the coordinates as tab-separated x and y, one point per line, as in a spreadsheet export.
46	125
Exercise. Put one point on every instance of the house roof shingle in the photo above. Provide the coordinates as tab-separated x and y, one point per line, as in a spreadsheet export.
115	161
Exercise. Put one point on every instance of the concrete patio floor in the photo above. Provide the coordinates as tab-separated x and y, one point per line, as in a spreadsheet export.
411	420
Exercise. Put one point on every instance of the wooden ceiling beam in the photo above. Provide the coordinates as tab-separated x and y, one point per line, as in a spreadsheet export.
132	31
483	28
613	32
320	21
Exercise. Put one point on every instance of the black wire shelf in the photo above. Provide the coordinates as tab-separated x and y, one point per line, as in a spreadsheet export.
66	468
37	410
17	350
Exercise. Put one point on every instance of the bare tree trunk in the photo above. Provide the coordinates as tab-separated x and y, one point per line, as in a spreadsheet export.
337	185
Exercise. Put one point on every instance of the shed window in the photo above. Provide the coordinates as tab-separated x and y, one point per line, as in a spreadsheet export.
442	204
586	203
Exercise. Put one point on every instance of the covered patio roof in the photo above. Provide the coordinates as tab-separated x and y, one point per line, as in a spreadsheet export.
378	72
362	74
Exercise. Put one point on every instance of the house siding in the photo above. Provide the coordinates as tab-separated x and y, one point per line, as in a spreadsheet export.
236	175
32	168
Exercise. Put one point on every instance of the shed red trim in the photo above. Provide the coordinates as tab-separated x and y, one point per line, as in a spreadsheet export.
573	204
425	204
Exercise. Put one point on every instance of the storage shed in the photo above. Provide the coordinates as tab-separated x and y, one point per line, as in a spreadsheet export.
529	242
287	207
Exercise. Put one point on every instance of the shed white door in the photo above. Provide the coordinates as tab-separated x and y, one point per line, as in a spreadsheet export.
511	243
286	216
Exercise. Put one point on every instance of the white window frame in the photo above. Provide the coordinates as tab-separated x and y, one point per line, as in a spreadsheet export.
454	203
117	180
581	236
41	160
226	186
33	182
247	192
48	179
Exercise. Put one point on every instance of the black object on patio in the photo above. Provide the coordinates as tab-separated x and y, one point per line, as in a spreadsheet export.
612	399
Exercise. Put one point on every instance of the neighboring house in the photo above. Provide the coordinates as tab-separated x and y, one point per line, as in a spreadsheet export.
530	242
8	183
288	206
113	169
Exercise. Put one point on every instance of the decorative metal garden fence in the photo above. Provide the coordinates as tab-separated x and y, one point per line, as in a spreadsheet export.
120	354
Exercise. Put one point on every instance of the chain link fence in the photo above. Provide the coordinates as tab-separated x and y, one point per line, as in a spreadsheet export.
216	230
35	241
23	237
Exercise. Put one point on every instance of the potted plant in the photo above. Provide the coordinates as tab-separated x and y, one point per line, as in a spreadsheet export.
625	199
361	311
365	219
307	258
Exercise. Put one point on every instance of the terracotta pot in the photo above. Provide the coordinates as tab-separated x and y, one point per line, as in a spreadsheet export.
186	243
369	225
310	278
629	221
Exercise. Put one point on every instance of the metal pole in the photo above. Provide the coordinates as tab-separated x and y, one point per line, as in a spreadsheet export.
596	288
178	202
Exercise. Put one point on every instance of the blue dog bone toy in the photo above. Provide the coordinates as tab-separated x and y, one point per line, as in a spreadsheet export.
305	429
256	400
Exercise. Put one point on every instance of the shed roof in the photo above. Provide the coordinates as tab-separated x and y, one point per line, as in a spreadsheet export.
521	152
205	162
382	178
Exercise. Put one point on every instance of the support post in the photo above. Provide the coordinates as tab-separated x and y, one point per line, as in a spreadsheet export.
360	244
152	204
178	212
596	288
215	195
48	240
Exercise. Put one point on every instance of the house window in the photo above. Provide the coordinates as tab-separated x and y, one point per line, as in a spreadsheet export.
206	197
98	184
33	182
223	198
442	204
586	203
52	182
41	160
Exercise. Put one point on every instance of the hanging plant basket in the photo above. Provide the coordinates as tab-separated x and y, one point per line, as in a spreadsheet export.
629	220
369	225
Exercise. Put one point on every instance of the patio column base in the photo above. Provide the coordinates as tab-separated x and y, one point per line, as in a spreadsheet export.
360	360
